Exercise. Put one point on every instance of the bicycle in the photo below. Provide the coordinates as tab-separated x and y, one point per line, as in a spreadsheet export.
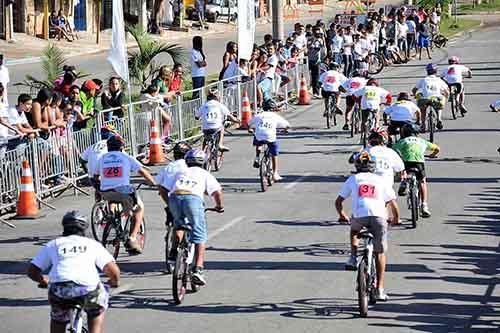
266	169
413	198
355	120
182	273
430	122
213	154
368	125
439	40
331	108
169	239
454	105
375	63
111	226
366	278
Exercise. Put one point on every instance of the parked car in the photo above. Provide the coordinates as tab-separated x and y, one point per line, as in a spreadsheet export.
214	9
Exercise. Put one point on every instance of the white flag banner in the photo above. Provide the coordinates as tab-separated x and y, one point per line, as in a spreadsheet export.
118	52
246	28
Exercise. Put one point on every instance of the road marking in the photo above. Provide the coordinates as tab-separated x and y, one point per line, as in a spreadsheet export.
292	185
225	227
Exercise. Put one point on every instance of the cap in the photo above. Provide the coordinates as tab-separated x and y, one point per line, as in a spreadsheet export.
89	85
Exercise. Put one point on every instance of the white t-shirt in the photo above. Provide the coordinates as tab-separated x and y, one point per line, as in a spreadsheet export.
354	84
114	169
166	174
15	118
402	111
371	97
431	86
4	131
196	180
4	76
387	162
266	124
273	63
212	114
300	41
347	40
332	80
196	71
402	30
454	73
369	194
73	258
337	42
92	155
231	70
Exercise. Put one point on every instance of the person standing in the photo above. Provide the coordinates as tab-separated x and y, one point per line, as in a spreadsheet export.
347	43
200	8
198	65
316	48
4	78
113	98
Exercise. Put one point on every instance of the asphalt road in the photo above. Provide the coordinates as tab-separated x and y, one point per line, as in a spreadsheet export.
275	261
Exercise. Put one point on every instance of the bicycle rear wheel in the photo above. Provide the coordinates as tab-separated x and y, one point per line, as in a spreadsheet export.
375	63
110	239
169	240
208	155
333	109
362	278
354	122
219	158
431	125
98	219
179	276
453	105
327	114
372	287
413	207
263	173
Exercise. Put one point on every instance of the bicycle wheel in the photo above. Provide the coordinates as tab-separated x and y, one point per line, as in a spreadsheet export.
327	113
169	238
333	109
440	40
373	283
354	122
453	105
179	276
362	277
269	172
208	155
110	239
263	173
98	219
219	158
413	207
375	63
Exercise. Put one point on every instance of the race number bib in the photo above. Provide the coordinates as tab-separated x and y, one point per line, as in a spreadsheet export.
212	115
367	191
185	184
113	172
70	251
267	125
355	85
331	79
451	71
433	88
371	95
382	164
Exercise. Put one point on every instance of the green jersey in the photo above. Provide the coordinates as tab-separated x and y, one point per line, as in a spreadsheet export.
412	148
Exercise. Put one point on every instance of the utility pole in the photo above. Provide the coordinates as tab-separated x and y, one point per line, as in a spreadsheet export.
143	15
277	12
98	21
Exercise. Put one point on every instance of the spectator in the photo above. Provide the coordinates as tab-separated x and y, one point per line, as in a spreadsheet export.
5	126
88	93
411	36
424	38
4	78
154	101
64	86
337	43
56	117
316	51
113	99
300	40
229	59
38	118
422	14
348	43
59	28
268	39
382	42
200	9
198	65
64	23
80	120
287	49
17	115
163	81
176	83
254	63
402	33
294	59
309	31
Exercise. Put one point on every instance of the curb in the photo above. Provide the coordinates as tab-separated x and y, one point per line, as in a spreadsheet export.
461	33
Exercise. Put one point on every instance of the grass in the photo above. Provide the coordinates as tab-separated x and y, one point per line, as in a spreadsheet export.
486	6
450	28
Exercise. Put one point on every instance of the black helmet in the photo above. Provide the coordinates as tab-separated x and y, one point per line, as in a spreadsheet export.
403	96
180	150
115	143
364	162
409	129
333	66
195	157
73	223
213	93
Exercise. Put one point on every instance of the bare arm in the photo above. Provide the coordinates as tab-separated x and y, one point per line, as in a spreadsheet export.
339	205
395	210
147	176
163	193
217	196
35	274
112	271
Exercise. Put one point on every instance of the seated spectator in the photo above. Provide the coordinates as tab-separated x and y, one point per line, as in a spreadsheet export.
176	83
64	23
55	24
113	98
80	120
162	81
88	93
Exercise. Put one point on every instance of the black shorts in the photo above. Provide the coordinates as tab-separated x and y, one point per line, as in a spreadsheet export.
459	86
420	169
366	112
350	100
327	94
394	127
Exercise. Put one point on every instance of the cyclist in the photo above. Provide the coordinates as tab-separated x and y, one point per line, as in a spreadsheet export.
454	76
172	168
73	261
186	201
431	90
372	96
402	112
92	154
212	115
330	82
114	168
266	125
411	148
370	195
358	81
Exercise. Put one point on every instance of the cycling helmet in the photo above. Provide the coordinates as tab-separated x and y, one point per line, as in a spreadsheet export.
115	143
453	60
334	66
107	131
403	96
378	136
372	82
213	93
180	150
409	129
431	69
195	157
73	223
364	162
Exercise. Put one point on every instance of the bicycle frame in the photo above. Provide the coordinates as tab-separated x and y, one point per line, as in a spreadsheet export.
76	324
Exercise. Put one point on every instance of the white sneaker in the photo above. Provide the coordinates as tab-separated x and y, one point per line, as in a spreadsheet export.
352	263
277	177
381	295
425	210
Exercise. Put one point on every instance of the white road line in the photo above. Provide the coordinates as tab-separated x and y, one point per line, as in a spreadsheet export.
226	226
292	185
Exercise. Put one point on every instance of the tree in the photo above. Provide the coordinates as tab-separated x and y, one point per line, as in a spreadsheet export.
142	63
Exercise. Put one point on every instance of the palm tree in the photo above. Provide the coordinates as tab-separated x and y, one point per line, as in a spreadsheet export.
53	62
142	63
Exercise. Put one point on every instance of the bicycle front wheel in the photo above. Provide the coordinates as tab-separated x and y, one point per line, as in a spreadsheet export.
179	277
375	63
110	239
453	105
413	207
263	174
362	278
169	240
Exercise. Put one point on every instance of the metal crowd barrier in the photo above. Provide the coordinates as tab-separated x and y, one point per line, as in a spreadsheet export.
55	162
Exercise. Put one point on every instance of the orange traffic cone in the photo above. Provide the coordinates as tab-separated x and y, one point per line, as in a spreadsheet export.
155	149
27	207
246	111
304	97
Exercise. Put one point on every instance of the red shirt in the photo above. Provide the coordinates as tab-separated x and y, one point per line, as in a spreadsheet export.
176	84
64	89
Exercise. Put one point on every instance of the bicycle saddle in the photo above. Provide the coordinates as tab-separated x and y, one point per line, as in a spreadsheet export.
365	234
